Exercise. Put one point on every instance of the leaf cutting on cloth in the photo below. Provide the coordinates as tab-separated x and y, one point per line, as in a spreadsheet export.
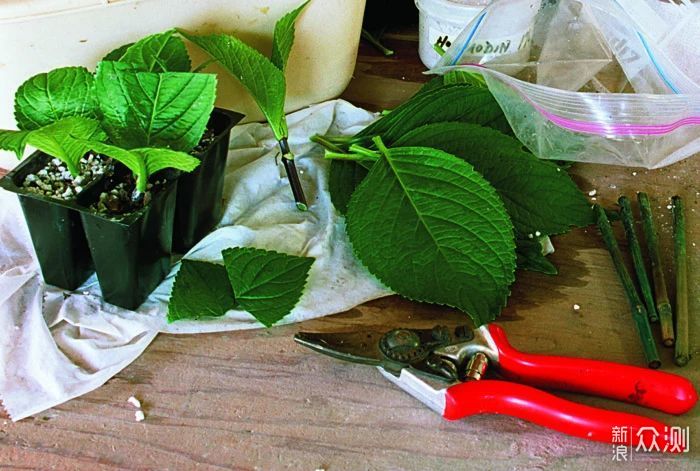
147	109
432	229
161	52
283	37
267	284
201	290
49	97
264	81
540	197
460	102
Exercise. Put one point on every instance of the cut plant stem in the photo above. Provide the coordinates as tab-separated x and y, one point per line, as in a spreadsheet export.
321	140
639	314
637	259
369	37
291	169
663	305
682	355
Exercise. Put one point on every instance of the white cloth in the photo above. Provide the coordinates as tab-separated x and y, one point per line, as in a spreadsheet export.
55	346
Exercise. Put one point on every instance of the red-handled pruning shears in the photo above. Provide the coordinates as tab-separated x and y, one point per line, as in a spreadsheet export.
443	369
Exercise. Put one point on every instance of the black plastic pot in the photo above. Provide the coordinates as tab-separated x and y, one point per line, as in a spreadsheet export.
132	252
55	228
200	193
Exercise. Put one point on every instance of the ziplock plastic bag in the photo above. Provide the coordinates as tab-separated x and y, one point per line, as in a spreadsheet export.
585	80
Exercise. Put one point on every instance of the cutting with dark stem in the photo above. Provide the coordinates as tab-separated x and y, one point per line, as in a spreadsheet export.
663	305
639	314
681	356
637	259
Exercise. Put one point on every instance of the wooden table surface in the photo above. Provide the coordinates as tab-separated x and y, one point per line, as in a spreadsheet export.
256	400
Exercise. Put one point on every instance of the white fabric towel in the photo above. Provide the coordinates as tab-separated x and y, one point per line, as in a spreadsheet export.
56	346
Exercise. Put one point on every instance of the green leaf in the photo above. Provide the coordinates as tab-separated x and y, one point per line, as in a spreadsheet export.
130	160
538	195
15	141
118	53
201	290
267	284
159	159
461	102
530	257
146	161
65	140
49	97
454	76
162	52
147	109
257	73
283	37
432	229
343	179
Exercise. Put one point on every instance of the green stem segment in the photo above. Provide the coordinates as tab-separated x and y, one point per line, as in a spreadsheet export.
365	152
682	355
326	143
637	307
637	259
369	37
663	305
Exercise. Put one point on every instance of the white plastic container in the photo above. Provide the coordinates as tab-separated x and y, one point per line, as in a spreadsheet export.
441	21
39	35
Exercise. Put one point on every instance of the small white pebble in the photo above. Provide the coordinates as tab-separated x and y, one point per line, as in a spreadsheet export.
594	199
576	307
538	233
530	236
670	206
634	174
613	186
592	192
139	416
134	402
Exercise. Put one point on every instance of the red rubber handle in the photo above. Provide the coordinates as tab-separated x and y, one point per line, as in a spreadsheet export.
666	392
516	400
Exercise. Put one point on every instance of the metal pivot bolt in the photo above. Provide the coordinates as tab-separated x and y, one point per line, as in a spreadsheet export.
477	366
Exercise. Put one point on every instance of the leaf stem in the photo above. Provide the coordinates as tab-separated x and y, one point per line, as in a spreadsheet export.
663	305
682	355
639	314
365	152
380	144
322	141
292	174
637	259
369	37
72	167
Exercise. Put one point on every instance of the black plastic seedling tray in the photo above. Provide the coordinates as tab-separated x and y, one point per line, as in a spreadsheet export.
55	228
132	252
200	193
